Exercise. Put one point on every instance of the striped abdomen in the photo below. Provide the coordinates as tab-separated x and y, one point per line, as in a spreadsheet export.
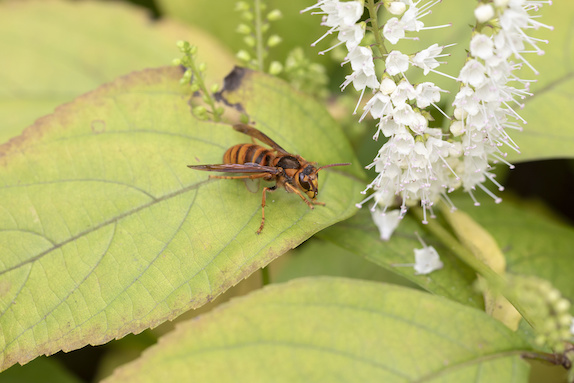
244	153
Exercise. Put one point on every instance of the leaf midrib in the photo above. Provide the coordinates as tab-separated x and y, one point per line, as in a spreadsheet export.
105	223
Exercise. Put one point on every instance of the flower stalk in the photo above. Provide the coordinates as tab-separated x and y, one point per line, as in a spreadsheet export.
254	28
258	34
194	75
372	8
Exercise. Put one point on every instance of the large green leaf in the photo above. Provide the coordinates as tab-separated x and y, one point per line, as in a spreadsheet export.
360	236
56	50
105	231
330	329
532	243
317	257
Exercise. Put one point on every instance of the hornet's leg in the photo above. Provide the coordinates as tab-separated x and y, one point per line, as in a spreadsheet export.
309	203
265	189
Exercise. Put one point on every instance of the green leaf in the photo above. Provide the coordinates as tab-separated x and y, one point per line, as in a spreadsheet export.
360	236
533	244
331	329
54	51
316	257
105	231
548	133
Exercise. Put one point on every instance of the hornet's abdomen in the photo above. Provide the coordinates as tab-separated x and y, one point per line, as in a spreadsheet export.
246	153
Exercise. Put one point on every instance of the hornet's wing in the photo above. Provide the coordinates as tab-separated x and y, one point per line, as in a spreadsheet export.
251	131
236	168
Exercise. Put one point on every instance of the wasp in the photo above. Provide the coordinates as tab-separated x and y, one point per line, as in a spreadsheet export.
290	171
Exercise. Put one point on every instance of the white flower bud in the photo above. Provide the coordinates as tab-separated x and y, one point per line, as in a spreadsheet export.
241	6
484	12
553	295
457	128
460	113
250	41
273	40
397	8
243	55
501	3
274	15
562	305
564	319
388	86
243	29
275	68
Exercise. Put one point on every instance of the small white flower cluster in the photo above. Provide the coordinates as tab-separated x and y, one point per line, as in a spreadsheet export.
343	17
483	107
419	164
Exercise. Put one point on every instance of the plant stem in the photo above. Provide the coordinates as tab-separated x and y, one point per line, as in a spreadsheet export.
380	44
258	35
204	90
556	359
376	30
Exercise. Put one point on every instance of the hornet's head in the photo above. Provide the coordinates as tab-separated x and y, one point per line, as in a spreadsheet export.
308	179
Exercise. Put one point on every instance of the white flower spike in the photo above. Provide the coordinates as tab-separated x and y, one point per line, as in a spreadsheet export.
418	163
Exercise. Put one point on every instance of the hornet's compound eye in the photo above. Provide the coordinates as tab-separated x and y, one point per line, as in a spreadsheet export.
304	181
